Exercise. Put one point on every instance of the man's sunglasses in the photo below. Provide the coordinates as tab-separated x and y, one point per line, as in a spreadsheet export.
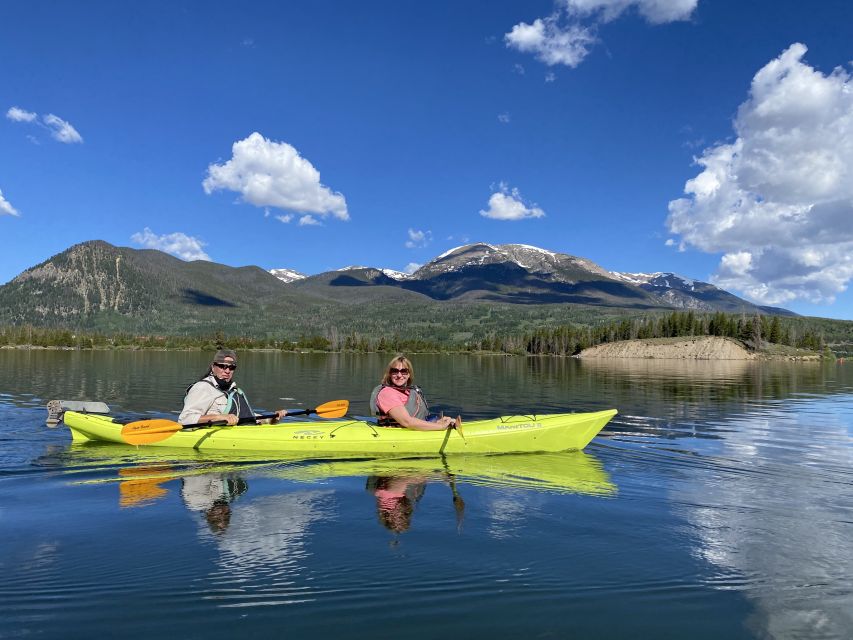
405	372
230	367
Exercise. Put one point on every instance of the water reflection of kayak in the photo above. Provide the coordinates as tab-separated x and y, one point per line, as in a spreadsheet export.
507	434
567	472
564	472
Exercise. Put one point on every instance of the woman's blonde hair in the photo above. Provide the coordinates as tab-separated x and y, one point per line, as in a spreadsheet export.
399	361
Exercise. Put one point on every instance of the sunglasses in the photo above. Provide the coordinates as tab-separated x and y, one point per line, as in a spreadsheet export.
393	370
230	367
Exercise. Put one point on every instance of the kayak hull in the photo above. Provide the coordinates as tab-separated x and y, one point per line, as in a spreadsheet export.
507	434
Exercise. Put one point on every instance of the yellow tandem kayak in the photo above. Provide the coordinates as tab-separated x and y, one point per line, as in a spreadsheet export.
336	438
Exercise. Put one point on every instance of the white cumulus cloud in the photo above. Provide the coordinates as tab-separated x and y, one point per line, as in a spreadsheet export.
272	174
177	244
418	239
59	129
508	204
777	202
654	11
16	114
308	220
412	267
552	42
6	208
567	35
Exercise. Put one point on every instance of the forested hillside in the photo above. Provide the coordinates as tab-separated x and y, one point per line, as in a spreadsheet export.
755	332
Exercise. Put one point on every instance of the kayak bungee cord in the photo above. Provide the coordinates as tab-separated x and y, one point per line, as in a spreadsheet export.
352	422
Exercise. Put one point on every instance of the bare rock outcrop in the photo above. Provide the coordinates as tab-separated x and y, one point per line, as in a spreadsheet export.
702	348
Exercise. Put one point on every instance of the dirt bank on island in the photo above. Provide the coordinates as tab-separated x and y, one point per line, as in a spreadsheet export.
706	348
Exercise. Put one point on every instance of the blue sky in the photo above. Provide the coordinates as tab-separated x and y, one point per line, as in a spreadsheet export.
709	138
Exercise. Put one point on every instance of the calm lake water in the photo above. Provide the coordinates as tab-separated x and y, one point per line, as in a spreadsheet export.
717	504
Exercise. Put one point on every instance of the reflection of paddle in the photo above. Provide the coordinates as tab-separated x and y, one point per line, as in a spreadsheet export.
138	487
156	430
458	502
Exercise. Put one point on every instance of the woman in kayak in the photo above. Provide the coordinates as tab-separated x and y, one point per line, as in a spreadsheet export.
399	403
216	397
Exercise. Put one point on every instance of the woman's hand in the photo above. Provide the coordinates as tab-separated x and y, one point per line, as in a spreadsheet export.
402	417
447	422
278	415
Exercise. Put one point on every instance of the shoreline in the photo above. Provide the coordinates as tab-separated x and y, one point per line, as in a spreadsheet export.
686	348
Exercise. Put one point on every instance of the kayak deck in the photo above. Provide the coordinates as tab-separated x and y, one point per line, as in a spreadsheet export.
506	434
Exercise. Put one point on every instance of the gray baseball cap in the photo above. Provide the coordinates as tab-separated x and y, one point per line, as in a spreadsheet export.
225	353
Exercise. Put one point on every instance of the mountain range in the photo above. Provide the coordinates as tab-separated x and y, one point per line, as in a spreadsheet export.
523	274
95	285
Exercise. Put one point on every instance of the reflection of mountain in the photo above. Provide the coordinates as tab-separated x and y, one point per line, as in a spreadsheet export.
774	519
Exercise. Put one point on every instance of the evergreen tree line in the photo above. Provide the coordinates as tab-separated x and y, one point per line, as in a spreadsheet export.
752	331
563	340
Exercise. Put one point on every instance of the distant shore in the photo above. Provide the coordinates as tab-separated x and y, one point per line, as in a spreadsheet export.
694	348
689	348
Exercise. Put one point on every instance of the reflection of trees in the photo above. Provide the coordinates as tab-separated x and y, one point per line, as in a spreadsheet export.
705	381
780	521
700	390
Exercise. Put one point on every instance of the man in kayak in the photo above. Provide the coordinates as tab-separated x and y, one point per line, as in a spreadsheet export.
399	403
217	398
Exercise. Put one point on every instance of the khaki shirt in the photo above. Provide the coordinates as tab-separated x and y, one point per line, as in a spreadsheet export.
203	399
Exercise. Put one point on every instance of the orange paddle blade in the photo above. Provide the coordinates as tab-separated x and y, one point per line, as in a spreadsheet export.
333	409
149	431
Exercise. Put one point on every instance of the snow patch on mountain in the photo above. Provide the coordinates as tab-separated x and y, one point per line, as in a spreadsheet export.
396	275
391	273
287	275
450	251
660	279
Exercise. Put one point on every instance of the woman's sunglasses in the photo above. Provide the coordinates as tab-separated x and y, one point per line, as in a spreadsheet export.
230	367
393	370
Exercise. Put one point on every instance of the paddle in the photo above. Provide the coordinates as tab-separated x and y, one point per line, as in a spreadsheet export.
158	429
455	425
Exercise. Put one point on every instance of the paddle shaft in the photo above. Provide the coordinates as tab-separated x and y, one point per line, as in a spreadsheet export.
263	416
158	429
